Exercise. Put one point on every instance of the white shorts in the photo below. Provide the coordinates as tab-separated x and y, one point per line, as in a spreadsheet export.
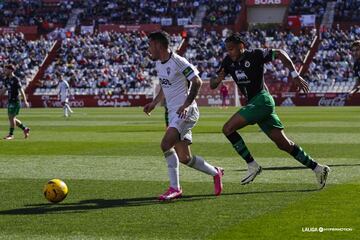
184	125
64	99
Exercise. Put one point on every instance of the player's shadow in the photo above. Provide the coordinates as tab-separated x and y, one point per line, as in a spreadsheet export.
301	167
96	204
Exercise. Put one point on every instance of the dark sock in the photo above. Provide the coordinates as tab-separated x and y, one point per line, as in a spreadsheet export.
299	154
22	126
240	147
11	132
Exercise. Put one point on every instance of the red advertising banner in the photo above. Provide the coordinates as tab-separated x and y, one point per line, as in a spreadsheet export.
27	29
6	30
129	28
267	2
22	29
92	101
206	97
317	99
294	22
209	97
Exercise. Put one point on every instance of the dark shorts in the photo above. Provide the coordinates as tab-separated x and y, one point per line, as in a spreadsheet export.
261	110
13	108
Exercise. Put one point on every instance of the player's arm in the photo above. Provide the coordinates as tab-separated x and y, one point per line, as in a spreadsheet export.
150	106
194	90
196	83
214	82
356	88
285	59
24	97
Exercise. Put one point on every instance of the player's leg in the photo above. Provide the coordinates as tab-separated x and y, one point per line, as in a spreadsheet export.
19	124
67	105
278	136
12	124
258	109
236	122
66	113
13	110
25	129
168	142
199	163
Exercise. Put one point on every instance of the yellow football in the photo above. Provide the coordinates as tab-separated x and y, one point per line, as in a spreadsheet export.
55	190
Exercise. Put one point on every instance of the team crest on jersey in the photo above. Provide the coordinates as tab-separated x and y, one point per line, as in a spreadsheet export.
247	64
168	70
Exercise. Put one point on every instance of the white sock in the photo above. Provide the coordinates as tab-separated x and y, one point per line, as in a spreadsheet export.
65	111
68	107
200	164
173	168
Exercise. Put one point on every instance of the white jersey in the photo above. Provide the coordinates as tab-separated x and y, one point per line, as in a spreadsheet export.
64	88
174	76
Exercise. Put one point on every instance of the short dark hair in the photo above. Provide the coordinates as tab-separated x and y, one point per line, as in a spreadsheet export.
235	38
10	66
355	44
160	36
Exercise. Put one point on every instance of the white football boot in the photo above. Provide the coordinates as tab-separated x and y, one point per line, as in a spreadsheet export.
321	173
253	170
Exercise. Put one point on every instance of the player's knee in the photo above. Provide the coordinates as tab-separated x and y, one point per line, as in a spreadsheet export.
184	159
165	146
284	146
227	129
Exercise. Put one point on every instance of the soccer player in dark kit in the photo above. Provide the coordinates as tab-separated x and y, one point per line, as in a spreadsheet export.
246	67
13	86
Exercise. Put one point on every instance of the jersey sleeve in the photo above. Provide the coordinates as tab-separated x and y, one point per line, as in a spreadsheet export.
224	64
265	55
18	83
186	68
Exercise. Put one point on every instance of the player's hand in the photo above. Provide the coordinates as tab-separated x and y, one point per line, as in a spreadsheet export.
301	84
26	104
221	75
148	108
214	82
352	92
182	111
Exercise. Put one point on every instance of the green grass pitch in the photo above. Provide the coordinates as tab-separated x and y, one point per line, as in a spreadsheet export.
110	159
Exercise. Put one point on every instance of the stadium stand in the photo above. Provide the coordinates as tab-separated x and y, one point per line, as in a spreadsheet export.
136	11
35	12
105	63
317	7
331	68
348	10
27	55
222	12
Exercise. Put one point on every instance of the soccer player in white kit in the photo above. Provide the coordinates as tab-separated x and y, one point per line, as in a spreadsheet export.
180	84
64	93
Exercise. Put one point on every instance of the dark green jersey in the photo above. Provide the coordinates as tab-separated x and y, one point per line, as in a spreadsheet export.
248	71
13	86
